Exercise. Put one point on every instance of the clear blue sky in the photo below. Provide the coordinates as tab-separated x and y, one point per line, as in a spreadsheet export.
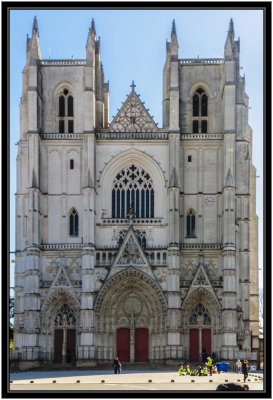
133	44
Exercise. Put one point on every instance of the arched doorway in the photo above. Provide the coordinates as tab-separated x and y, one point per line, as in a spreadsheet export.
59	318
199	333
130	314
65	335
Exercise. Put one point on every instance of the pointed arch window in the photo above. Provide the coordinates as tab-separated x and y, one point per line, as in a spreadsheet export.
200	111
74	223
191	224
65	316
200	315
133	193
66	112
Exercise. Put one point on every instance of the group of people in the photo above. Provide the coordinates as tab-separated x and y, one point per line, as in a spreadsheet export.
208	369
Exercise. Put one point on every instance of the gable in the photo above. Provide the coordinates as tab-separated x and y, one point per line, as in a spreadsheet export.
130	254
201	281
133	117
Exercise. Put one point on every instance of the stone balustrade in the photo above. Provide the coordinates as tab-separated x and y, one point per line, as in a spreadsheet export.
62	62
208	61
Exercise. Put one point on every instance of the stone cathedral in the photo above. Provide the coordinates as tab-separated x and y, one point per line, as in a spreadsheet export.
132	239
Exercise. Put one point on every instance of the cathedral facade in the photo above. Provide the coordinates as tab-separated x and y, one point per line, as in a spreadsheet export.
135	240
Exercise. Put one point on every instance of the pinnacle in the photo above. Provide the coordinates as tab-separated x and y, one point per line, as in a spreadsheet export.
93	29
35	26
174	41
231	28
173	27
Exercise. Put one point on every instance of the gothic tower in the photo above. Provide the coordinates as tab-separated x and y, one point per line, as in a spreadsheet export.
133	239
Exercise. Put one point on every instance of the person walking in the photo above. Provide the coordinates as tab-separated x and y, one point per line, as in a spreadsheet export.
117	365
245	369
209	365
238	365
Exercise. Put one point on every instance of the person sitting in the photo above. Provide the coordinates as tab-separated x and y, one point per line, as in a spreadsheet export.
232	387
194	372
205	371
188	370
181	370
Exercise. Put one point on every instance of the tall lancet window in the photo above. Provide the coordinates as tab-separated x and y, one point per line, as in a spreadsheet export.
66	112
133	193
200	112
191	224
74	223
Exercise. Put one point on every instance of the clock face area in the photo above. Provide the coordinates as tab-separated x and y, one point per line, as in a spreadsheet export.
209	201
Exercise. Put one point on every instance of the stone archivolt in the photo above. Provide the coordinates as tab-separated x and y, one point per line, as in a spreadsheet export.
131	294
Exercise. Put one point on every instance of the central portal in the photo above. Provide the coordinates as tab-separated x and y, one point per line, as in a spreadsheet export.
133	345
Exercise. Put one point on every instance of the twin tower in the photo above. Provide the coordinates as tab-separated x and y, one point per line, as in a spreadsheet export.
133	239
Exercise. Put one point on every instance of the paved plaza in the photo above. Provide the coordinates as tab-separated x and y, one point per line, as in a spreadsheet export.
87	380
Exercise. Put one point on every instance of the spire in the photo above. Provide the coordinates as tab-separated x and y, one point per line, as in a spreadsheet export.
174	41
90	43
173	28
231	29
229	46
33	46
35	28
93	29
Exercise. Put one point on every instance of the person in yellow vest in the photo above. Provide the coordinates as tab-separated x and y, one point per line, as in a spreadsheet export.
204	371
181	370
209	364
188	370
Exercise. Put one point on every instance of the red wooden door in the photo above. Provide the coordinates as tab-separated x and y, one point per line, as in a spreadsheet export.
123	344
194	345
141	345
206	340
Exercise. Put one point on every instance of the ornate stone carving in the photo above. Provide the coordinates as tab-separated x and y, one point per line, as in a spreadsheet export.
133	117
